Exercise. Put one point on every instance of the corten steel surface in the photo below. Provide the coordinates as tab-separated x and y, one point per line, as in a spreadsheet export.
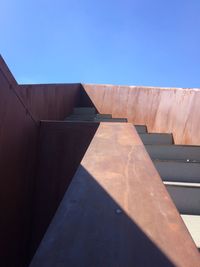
18	136
50	101
61	148
6	73
163	110
117	212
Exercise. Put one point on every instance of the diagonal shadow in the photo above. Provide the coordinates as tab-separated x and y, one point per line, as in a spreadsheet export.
85	100
91	229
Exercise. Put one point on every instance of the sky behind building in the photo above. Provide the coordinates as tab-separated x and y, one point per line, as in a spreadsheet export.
133	42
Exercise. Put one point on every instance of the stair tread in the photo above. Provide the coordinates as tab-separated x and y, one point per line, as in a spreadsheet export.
84	110
109	116
110	120
193	224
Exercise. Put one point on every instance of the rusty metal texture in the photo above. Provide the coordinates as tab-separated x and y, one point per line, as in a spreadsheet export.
61	148
18	137
6	73
50	101
163	110
116	211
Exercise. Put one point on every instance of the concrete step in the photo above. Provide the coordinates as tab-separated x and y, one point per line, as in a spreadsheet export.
178	171
186	196
110	120
84	110
174	152
156	138
88	117
192	222
103	116
81	117
141	128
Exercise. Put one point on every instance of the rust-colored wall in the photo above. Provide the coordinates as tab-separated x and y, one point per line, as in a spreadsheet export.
18	135
62	146
165	110
50	101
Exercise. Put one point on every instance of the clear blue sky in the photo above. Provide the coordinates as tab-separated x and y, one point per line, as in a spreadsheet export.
133	42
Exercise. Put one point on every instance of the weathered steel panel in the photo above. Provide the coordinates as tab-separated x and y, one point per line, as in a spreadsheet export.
61	148
50	101
18	134
116	211
163	110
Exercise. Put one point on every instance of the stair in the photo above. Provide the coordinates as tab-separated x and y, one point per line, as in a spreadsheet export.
95	225
103	116
179	168
193	224
156	139
81	111
178	171
110	120
186	196
89	114
141	129
174	152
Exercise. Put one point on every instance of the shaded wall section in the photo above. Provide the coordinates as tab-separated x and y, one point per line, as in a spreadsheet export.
18	137
163	110
62	146
50	101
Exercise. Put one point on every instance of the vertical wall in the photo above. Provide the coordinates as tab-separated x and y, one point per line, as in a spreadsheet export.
165	110
18	137
50	101
61	148
21	185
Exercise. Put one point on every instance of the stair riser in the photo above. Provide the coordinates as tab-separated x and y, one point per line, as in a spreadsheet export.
80	111
179	171
141	128
186	199
172	152
156	139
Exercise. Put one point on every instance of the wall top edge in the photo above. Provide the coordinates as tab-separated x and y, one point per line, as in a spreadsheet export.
139	86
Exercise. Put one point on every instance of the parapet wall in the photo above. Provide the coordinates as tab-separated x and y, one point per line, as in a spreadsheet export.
50	101
163	110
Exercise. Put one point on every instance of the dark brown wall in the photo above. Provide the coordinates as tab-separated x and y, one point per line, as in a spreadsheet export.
62	146
50	101
18	136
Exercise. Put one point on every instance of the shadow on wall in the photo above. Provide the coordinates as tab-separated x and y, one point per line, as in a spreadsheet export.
84	99
91	229
61	148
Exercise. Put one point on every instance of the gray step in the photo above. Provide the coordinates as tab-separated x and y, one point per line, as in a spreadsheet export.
186	197
110	120
88	117
79	111
103	116
178	171
174	152
192	222
141	128
156	138
83	117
